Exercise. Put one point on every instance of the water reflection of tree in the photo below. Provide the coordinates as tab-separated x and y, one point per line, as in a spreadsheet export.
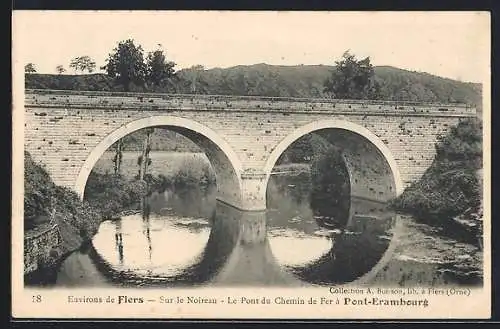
289	203
119	240
146	211
330	187
194	201
324	192
353	254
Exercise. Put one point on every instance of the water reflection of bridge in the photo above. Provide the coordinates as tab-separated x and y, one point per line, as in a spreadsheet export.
291	169
238	252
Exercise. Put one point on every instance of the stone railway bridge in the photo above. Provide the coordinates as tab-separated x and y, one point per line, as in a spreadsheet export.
385	145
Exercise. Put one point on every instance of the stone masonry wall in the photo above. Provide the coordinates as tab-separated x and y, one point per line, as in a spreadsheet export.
61	129
38	246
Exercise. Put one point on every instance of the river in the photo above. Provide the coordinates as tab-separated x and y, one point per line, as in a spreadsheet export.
173	244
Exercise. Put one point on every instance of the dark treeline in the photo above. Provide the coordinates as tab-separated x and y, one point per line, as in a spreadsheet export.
278	81
129	68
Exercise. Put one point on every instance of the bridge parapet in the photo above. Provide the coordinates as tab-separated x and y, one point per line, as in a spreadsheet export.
164	102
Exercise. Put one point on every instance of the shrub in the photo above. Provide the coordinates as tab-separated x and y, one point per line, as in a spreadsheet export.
157	183
462	143
43	198
37	191
194	172
450	186
330	192
112	193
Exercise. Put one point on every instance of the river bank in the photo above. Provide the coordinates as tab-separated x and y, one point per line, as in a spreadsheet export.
107	196
449	194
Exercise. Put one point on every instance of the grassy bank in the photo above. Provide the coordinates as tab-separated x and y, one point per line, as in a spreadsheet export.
45	202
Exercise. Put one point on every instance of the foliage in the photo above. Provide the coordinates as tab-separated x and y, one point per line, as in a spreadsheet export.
304	149
82	64
462	143
193	173
111	193
91	82
330	193
38	189
157	183
60	69
161	139
29	68
352	79
42	199
450	186
125	64
82	216
159	71
445	190
191	80
283	81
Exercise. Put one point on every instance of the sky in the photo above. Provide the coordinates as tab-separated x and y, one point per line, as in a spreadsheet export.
449	44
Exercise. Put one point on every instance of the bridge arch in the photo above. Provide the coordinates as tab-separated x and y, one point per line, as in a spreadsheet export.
330	129
224	160
355	141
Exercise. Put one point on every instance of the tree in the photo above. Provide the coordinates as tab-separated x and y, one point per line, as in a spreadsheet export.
330	193
159	71
126	64
29	68
60	69
144	161
463	142
117	159
83	63
352	78
192	77
304	149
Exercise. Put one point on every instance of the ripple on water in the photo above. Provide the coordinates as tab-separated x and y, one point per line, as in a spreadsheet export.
420	245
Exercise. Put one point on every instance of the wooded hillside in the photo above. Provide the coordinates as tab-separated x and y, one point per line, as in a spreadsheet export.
285	81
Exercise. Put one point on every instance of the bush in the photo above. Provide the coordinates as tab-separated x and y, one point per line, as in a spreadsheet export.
463	143
112	193
43	198
450	186
157	183
444	191
330	192
80	215
37	190
194	172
